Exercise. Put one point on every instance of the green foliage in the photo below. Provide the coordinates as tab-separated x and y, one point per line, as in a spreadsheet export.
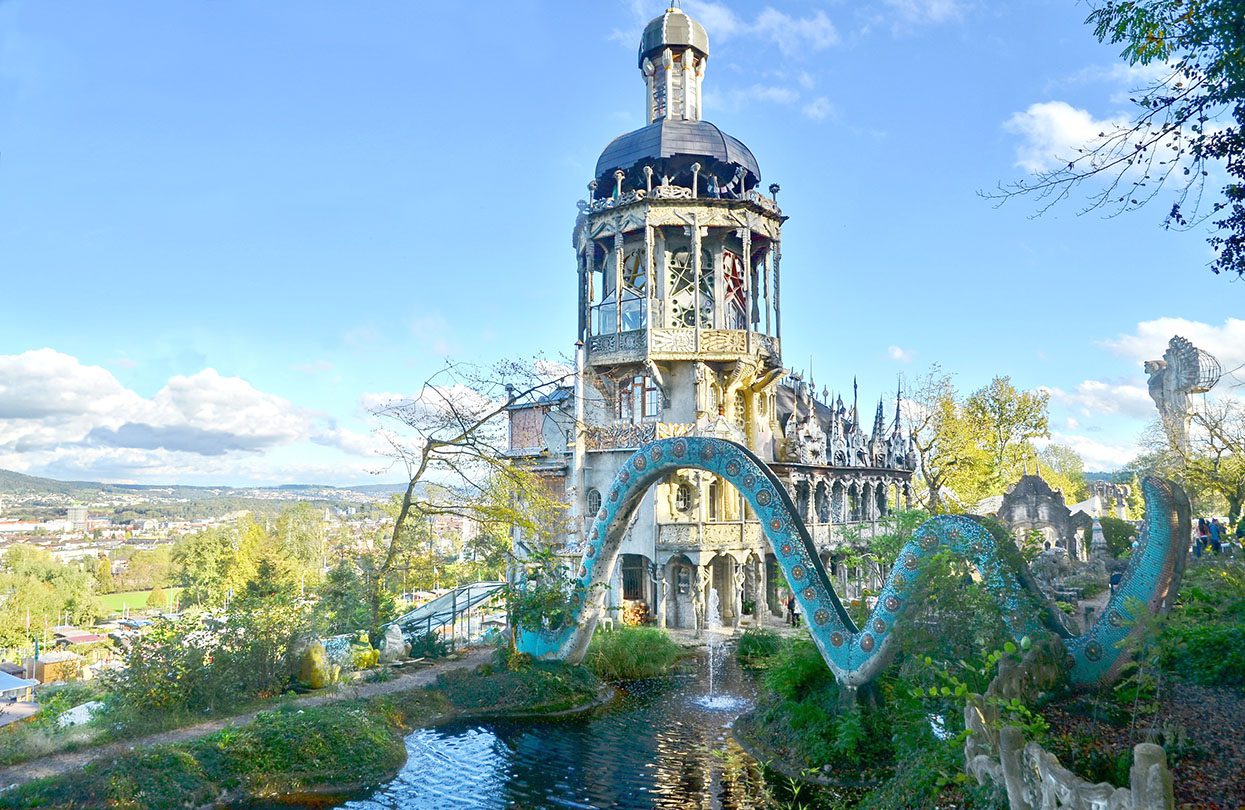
1194	110
758	647
195	665
1119	535
1203	638
37	591
631	653
539	688
547	597
429	645
335	746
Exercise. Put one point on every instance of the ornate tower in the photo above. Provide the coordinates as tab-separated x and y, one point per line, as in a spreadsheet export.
678	265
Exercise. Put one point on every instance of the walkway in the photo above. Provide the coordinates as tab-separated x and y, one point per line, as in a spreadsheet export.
57	764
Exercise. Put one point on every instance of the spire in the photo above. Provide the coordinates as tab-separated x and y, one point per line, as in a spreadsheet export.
878	426
673	52
855	402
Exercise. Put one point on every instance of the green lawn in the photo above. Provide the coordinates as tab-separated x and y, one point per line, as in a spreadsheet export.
134	600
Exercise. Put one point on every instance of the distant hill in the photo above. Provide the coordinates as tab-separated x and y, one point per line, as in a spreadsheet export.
15	483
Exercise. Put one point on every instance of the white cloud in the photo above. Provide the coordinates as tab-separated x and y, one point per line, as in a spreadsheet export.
794	36
901	355
1052	131
1149	340
919	12
1095	397
1098	456
819	109
58	415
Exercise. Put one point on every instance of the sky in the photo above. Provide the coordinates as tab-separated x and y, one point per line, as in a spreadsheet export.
229	228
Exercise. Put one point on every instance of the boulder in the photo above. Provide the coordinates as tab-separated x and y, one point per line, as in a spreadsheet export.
315	671
393	645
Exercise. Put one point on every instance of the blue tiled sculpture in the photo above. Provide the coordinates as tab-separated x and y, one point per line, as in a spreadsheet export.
858	654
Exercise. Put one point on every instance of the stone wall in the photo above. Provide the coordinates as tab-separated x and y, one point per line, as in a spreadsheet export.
1032	777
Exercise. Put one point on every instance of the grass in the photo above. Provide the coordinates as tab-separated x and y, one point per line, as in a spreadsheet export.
632	653
134	600
532	688
335	748
757	648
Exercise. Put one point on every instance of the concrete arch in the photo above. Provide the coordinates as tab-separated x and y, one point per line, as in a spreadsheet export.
856	655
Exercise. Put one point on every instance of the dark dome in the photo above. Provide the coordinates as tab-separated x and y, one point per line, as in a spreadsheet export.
673	143
673	28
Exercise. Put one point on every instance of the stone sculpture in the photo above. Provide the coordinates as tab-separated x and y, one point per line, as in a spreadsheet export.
1184	370
393	645
857	654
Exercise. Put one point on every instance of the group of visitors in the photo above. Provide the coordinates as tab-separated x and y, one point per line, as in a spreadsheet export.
1217	536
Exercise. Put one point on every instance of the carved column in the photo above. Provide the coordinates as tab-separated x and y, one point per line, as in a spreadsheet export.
661	587
618	276
760	593
777	291
737	574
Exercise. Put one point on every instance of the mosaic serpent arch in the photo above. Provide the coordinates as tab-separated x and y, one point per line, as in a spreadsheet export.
858	654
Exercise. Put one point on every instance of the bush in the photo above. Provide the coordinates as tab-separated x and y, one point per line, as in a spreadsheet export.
1203	639
539	688
757	647
1119	535
631	653
335	746
429	645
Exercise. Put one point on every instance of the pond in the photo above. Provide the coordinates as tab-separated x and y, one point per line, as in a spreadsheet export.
663	744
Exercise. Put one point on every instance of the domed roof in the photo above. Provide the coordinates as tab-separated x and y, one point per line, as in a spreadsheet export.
673	28
676	138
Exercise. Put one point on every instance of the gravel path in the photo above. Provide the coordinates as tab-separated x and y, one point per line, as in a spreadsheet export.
57	764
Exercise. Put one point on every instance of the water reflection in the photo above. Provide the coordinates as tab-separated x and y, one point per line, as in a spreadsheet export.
657	748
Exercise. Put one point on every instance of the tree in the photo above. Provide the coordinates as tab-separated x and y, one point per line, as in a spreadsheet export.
1212	464
1064	470
1189	123
103	574
948	455
1007	422
453	434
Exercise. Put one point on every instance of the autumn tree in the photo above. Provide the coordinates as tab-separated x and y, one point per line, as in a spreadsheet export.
103	574
949	457
1064	470
1187	130
1007	421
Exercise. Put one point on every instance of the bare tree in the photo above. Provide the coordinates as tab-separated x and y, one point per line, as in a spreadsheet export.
451	440
1189	124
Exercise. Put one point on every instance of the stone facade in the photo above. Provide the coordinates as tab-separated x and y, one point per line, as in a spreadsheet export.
1031	504
679	274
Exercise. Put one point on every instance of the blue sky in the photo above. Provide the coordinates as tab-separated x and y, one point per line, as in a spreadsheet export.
226	227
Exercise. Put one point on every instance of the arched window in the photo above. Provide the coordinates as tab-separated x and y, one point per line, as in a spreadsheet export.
594	501
683	498
741	411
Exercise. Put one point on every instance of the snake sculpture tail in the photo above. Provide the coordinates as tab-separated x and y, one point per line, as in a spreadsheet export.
858	654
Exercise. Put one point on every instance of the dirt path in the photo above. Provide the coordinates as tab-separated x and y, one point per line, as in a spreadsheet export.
57	764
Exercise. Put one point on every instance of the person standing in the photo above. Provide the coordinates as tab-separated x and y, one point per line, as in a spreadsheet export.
791	609
1203	536
1216	536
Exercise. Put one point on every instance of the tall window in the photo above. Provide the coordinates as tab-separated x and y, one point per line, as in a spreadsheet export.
633	576
733	290
714	508
594	501
638	399
634	279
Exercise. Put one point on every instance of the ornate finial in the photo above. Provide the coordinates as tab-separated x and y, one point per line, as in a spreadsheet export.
695	179
774	188
648	179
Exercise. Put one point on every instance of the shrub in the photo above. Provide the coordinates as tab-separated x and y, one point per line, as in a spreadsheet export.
757	647
1203	639
541	687
1119	535
630	653
429	645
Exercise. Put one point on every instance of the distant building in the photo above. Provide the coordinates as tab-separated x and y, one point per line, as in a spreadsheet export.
679	327
78	517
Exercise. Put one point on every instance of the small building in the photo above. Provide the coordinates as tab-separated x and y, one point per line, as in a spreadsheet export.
54	666
14	689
